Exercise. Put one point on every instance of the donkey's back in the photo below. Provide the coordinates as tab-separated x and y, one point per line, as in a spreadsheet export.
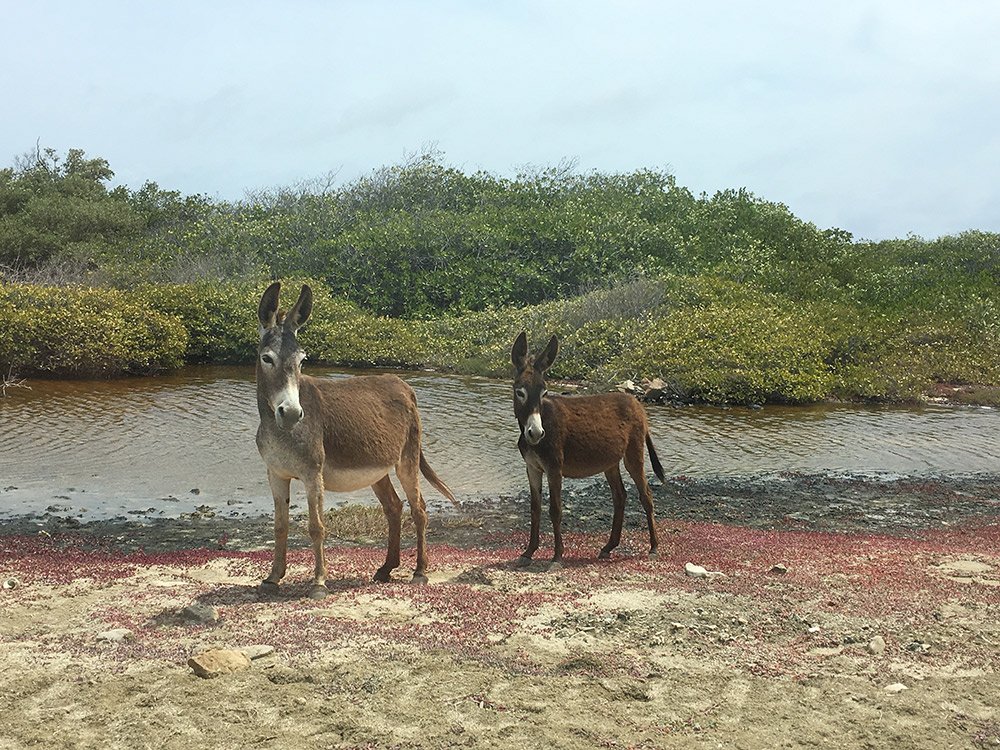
367	420
594	432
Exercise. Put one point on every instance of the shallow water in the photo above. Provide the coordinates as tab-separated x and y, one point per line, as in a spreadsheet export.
168	445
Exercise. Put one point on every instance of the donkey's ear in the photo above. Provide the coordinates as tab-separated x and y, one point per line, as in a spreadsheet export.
268	309
544	360
299	313
519	352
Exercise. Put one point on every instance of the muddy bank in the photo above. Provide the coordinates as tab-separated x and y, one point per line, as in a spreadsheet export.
894	506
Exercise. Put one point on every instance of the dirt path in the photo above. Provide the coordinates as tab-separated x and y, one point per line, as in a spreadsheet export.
865	640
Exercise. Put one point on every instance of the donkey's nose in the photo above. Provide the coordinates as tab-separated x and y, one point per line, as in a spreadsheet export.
289	414
535	434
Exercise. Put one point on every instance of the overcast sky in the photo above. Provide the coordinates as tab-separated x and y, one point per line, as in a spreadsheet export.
881	118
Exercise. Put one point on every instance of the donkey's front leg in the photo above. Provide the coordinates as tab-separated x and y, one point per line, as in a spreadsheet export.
280	491
555	513
535	484
317	533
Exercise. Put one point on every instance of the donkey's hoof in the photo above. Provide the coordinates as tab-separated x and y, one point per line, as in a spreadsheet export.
381	575
419	578
553	565
522	562
604	555
319	591
653	555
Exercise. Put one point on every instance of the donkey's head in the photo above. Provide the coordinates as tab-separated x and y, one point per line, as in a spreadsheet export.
529	385
279	356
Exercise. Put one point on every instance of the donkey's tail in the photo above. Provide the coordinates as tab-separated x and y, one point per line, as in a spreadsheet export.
653	458
433	478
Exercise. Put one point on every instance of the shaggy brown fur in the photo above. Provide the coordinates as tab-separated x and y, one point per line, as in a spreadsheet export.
337	435
582	436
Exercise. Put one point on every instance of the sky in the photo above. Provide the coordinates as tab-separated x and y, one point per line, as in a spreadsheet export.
880	118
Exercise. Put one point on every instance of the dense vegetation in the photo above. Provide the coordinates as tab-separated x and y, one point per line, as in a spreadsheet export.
727	297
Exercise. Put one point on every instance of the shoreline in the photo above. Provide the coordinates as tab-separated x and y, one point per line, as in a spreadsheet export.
857	504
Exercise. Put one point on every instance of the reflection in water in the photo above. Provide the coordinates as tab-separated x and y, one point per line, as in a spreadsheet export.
175	442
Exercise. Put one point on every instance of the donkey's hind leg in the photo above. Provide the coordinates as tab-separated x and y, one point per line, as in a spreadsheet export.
618	496
392	506
407	471
635	465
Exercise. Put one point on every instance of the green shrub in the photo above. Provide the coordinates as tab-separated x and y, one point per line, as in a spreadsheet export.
85	332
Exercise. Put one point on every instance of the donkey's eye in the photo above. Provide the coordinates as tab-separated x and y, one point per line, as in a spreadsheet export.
522	394
267	359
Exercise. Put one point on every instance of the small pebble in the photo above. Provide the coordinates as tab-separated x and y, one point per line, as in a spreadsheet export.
896	687
115	636
200	613
697	571
876	645
257	651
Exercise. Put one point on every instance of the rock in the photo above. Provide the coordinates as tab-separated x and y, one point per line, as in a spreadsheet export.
115	636
896	687
876	645
814	629
200	614
628	386
654	390
697	571
779	569
216	662
257	651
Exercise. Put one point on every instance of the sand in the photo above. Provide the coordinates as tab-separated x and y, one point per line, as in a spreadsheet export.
809	637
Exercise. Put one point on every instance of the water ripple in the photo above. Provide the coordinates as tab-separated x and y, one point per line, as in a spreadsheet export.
178	441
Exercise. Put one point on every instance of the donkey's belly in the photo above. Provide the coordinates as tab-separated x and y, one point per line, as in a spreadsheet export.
580	470
348	480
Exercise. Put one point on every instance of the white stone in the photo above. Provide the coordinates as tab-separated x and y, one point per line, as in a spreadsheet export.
697	571
115	636
257	651
876	645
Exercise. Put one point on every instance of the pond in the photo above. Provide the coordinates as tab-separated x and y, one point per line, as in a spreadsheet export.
167	445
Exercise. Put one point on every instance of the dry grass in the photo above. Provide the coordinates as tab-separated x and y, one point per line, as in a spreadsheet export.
361	523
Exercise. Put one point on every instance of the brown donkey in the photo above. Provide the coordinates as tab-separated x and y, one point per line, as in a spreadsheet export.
578	436
337	435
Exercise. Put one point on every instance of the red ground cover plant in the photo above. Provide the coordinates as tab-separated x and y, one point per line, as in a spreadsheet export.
833	579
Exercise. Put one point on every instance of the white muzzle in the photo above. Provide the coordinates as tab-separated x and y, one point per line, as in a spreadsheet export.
533	431
287	409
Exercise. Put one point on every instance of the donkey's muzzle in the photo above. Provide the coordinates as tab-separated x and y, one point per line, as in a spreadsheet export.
533	431
287	415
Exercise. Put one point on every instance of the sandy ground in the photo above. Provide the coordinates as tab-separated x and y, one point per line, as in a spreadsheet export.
876	634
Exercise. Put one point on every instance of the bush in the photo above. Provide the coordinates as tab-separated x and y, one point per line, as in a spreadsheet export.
85	332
